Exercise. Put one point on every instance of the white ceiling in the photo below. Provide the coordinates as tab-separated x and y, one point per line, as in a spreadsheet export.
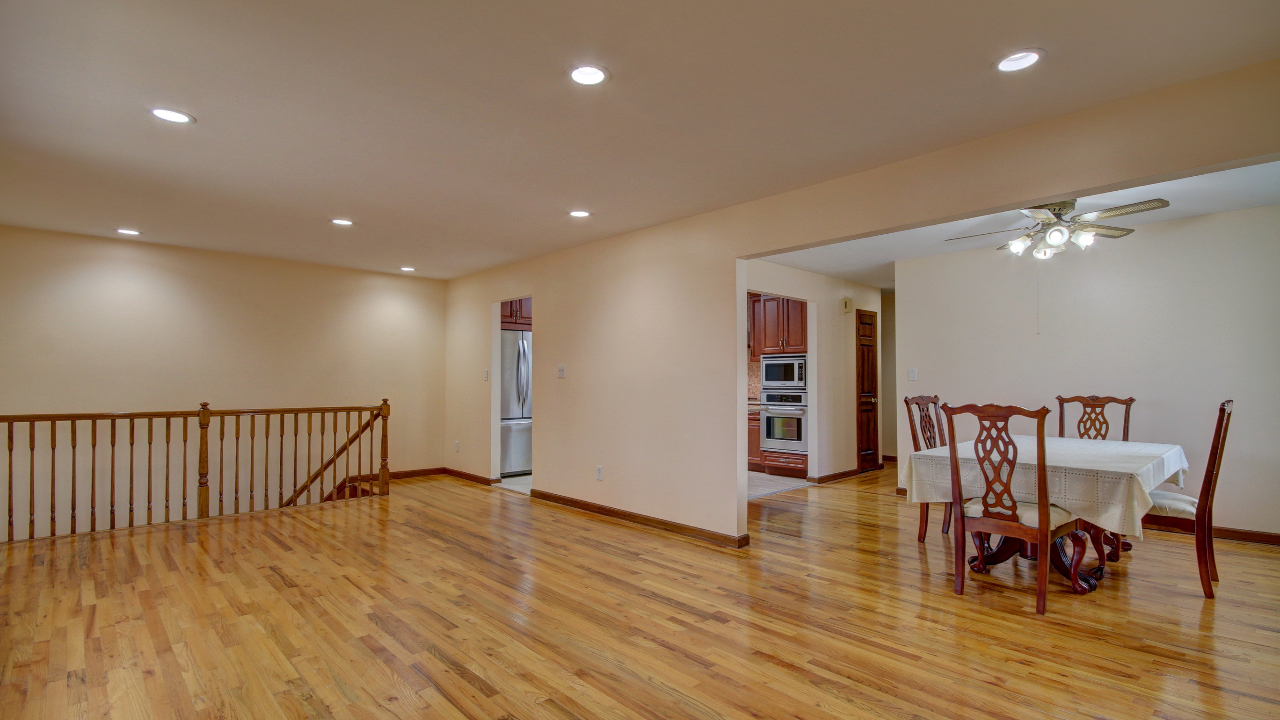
450	132
870	260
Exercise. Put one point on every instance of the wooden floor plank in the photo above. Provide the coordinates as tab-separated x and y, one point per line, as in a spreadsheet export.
452	600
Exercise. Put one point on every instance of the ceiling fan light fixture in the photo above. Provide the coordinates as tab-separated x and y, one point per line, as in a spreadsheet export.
1019	245
1044	250
1057	236
1082	239
1020	60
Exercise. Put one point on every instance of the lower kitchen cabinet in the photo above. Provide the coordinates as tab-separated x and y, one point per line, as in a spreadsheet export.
783	463
754	461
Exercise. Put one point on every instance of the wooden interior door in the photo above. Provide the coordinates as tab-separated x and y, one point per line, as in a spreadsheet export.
868	378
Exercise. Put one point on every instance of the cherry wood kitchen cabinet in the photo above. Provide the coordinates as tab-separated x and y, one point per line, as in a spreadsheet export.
755	324
517	314
788	464
780	326
755	461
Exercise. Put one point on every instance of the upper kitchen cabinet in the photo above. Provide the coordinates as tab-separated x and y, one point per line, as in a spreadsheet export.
755	322
780	327
517	314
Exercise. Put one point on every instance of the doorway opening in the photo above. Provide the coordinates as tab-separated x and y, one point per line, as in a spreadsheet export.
515	413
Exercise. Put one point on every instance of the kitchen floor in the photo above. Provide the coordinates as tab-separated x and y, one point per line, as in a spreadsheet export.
522	484
760	484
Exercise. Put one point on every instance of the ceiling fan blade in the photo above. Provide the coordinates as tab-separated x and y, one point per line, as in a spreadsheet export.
993	232
1130	209
1102	230
1039	214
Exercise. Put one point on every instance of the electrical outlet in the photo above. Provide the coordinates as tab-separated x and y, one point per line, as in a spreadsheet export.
559	371
911	374
457	445
600	472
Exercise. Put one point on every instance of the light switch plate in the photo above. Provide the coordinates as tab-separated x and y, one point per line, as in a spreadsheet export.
559	371
911	373
486	375
599	472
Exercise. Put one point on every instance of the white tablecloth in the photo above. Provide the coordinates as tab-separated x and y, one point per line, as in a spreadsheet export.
1106	482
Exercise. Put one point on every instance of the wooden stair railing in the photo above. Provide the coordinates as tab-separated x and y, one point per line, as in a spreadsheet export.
77	481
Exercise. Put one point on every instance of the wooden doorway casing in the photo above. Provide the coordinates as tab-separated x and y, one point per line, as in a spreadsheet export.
867	374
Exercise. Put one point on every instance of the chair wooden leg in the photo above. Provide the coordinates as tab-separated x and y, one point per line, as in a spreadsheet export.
946	519
1078	551
1202	564
961	567
1099	547
924	522
1213	562
1117	542
1042	583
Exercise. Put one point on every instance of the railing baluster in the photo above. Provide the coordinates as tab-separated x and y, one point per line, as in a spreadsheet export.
31	515
132	462
185	453
9	478
168	464
384	472
73	477
93	472
151	461
334	472
251	457
222	457
308	455
280	486
266	461
113	473
237	503
347	457
295	454
53	478
321	458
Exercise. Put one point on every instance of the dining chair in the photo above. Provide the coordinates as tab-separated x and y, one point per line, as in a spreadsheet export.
1195	515
932	435
996	512
1093	425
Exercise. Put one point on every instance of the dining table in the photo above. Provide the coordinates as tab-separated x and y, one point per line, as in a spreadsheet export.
1105	482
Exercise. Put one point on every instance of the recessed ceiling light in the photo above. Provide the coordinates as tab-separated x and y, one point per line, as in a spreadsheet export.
341	221
579	213
172	116
1020	60
407	269
127	231
589	75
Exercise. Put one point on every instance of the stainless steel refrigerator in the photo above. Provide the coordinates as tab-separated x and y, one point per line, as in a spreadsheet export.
517	402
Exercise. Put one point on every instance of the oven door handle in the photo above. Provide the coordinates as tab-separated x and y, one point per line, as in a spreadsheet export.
787	411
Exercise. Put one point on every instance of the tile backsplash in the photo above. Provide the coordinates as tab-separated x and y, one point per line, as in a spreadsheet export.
753	380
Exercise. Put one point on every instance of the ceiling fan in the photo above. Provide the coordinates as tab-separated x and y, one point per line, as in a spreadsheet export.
1053	228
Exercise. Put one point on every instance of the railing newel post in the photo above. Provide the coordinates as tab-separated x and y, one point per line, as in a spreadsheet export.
384	473
202	490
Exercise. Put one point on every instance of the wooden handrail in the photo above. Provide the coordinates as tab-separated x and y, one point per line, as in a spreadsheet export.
44	459
319	473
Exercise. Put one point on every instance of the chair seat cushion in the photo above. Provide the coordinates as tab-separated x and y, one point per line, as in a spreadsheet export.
1173	504
1027	514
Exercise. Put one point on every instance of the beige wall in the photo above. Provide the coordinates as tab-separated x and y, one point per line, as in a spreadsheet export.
646	321
1181	315
95	325
889	397
833	394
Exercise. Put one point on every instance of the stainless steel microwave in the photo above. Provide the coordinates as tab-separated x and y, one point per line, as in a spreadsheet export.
782	371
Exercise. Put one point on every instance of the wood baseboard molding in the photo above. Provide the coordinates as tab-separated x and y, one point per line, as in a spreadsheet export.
1226	533
833	476
888	458
479	479
689	531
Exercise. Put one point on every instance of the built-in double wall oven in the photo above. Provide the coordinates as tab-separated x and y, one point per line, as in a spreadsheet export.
784	422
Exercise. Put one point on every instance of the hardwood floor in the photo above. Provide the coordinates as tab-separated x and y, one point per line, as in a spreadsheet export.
452	600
